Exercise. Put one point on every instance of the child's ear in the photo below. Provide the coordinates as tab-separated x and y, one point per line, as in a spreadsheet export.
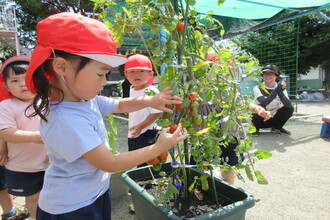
59	66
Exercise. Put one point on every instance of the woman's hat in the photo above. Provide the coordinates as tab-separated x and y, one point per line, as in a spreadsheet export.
138	62
271	69
4	94
75	34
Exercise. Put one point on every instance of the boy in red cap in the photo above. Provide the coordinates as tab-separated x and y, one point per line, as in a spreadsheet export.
68	69
27	159
141	124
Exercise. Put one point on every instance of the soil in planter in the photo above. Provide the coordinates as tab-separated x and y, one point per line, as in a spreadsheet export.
184	207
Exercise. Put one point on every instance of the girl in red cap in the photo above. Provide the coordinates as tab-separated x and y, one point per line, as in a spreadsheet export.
141	124
67	71
27	159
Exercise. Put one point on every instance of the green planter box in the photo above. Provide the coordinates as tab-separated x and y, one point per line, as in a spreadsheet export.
117	186
237	200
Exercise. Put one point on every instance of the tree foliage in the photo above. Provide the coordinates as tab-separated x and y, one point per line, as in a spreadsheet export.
30	12
313	43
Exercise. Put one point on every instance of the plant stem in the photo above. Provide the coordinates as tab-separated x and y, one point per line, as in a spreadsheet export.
214	188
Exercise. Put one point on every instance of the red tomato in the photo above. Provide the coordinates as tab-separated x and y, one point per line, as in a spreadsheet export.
190	113
193	105
163	156
153	161
180	27
192	96
179	107
173	128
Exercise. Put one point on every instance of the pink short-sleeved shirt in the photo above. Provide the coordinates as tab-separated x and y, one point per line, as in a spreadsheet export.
23	157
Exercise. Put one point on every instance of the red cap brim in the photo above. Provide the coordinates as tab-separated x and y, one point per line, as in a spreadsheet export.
39	56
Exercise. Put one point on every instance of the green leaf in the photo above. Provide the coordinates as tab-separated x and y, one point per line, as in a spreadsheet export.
248	172
171	189
220	2
192	186
262	154
252	129
260	177
205	184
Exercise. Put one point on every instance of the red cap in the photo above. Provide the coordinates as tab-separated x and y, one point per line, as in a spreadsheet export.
75	34
212	56
138	62
4	94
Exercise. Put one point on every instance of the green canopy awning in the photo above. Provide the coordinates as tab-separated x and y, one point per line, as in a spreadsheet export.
256	9
241	16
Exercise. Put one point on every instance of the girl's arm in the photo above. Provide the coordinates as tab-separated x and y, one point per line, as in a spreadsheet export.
3	153
157	101
14	135
102	158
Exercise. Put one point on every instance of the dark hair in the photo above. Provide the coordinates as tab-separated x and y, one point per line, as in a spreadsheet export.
41	79
18	67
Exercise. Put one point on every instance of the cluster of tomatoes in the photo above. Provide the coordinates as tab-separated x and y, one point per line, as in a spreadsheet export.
160	159
187	115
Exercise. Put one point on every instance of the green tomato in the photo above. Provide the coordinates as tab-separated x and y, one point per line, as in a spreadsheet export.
193	140
193	12
156	51
152	43
192	2
185	122
194	151
171	26
156	28
154	13
190	130
171	44
163	122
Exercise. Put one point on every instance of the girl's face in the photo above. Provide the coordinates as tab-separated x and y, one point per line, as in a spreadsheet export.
15	84
87	83
138	78
269	79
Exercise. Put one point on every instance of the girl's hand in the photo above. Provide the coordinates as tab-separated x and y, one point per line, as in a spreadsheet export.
167	140
163	98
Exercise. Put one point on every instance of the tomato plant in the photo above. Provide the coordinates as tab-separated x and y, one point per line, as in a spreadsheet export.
180	41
